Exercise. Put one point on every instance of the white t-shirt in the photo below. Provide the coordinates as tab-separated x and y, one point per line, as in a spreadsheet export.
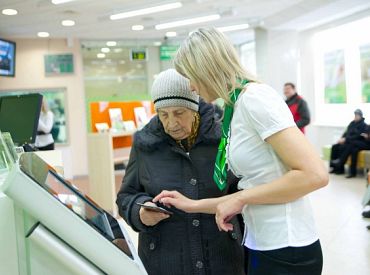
45	125
259	113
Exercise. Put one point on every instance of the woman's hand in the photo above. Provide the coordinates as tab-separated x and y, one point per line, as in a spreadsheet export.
176	199
151	218
226	210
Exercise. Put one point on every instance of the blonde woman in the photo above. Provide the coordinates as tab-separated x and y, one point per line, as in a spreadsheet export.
278	167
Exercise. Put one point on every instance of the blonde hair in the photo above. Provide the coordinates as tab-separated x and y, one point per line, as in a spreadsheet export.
209	60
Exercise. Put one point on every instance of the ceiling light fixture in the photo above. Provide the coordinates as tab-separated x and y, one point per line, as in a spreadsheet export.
100	55
58	2
233	28
189	21
68	23
171	34
9	12
137	27
144	11
111	43
105	50
157	43
43	34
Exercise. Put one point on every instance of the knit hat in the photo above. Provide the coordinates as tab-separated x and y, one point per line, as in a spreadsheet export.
359	112
170	89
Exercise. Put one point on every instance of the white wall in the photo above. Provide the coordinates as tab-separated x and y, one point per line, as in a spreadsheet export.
287	56
30	75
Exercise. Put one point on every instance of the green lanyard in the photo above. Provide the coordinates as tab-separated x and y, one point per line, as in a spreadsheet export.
220	172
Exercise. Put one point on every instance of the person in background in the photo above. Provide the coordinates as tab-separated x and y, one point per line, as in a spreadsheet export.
297	105
366	212
44	139
176	150
354	139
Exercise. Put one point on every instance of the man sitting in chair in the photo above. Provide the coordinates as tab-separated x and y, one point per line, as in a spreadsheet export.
355	138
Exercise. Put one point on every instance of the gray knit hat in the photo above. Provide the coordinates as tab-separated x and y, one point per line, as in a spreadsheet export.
170	89
359	112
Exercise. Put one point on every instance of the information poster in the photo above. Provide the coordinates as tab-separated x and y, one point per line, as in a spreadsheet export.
57	64
168	52
365	73
335	81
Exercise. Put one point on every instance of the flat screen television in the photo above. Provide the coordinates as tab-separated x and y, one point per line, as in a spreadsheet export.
19	115
7	58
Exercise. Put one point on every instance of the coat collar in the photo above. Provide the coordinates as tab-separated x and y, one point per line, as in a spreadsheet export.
153	134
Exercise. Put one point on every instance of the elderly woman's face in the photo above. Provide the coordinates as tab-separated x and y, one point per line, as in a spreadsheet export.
176	121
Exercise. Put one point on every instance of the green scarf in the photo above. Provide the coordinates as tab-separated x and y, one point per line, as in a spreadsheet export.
220	172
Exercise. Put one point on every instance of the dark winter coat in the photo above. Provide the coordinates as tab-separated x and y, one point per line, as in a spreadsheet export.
354	130
184	243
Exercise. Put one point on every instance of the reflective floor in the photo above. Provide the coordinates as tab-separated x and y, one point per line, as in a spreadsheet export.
344	237
343	233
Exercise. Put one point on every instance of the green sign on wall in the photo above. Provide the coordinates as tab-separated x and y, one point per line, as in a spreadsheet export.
138	54
58	64
168	52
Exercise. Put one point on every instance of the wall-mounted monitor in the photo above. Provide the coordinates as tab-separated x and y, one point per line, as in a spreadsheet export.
7	58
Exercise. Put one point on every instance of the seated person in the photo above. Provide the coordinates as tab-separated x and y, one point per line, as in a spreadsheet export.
352	139
366	213
177	151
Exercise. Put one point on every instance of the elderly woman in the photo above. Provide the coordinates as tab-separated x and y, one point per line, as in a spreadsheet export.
176	151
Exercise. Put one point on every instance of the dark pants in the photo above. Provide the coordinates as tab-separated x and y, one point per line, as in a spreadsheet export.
305	260
350	148
47	147
337	151
357	146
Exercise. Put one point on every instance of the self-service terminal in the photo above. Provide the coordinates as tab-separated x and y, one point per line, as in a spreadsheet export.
71	229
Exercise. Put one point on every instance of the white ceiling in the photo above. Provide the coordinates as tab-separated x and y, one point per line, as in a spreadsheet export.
93	23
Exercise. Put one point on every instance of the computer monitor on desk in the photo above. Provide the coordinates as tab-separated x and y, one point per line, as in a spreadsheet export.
19	115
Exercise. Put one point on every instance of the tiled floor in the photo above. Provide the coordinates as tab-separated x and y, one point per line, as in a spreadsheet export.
343	233
344	237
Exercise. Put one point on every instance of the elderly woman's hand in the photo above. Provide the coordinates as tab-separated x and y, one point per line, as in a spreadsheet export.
151	218
176	199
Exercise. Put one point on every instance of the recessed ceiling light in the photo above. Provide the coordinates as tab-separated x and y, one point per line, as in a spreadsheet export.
111	43
157	43
105	50
233	28
9	11
171	34
137	27
100	55
144	11
43	34
68	23
58	2
190	21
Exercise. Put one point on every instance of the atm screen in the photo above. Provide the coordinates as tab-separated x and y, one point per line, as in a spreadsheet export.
74	200
78	204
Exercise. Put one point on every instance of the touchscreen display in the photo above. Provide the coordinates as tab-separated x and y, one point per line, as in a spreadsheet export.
83	207
71	198
75	200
